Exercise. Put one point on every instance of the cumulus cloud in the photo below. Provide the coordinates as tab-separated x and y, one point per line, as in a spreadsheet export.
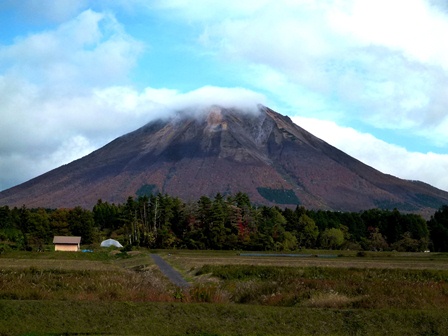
91	50
206	96
66	128
63	94
388	158
414	27
152	103
384	62
67	90
50	100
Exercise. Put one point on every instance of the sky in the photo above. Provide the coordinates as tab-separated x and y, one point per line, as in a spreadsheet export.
368	77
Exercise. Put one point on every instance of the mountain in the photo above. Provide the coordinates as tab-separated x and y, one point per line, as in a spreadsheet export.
262	153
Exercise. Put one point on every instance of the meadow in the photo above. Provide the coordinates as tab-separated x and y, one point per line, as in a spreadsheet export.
97	293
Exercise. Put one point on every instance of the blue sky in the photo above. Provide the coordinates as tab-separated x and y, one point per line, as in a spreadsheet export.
369	77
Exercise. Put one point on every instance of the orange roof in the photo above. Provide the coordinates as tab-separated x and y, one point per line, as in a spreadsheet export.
66	240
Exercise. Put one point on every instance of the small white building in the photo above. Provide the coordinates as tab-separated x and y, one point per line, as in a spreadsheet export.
67	243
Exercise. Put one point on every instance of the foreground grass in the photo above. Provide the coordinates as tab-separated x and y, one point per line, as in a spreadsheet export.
325	287
125	318
115	278
137	279
106	285
185	259
102	293
102	255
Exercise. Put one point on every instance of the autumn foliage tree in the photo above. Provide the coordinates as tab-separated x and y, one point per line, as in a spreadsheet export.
224	222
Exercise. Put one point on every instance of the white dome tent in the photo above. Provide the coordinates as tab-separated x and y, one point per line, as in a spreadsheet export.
110	242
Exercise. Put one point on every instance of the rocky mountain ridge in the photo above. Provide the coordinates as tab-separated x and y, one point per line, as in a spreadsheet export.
261	153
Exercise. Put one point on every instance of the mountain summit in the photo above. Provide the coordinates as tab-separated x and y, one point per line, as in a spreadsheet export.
262	153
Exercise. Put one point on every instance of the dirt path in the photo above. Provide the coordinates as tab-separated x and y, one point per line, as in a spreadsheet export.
169	271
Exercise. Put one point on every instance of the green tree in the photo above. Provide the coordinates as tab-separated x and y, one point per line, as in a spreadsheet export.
5	218
81	223
106	216
332	238
39	228
204	218
241	200
23	224
289	242
307	231
9	228
219	216
194	234
409	244
59	222
130	222
169	212
270	233
438	227
376	241
179	220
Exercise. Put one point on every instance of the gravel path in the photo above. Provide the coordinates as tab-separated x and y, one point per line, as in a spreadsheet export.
170	272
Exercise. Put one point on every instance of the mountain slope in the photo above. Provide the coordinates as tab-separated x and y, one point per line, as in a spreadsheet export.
225	150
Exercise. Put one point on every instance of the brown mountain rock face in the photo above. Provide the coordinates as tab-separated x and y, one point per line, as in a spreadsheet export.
223	150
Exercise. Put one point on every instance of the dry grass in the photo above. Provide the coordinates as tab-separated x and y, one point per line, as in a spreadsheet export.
348	295
187	263
93	285
133	278
326	287
58	264
388	282
330	299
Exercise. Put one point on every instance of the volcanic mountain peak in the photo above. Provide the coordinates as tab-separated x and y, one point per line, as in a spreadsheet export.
214	120
227	133
225	150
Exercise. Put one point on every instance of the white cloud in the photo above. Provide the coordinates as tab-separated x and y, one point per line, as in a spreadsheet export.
154	103
226	97
66	90
66	128
51	106
59	98
90	50
379	62
388	158
414	27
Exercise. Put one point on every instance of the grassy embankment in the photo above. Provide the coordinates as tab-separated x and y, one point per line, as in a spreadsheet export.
96	293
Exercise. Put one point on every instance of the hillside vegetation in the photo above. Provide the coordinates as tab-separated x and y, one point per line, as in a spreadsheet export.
223	223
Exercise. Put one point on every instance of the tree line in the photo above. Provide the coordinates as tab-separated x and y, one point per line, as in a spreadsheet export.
231	222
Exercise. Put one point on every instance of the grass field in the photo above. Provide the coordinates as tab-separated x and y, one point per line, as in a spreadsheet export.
344	259
101	293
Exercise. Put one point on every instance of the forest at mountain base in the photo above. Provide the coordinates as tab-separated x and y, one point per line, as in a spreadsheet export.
223	223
